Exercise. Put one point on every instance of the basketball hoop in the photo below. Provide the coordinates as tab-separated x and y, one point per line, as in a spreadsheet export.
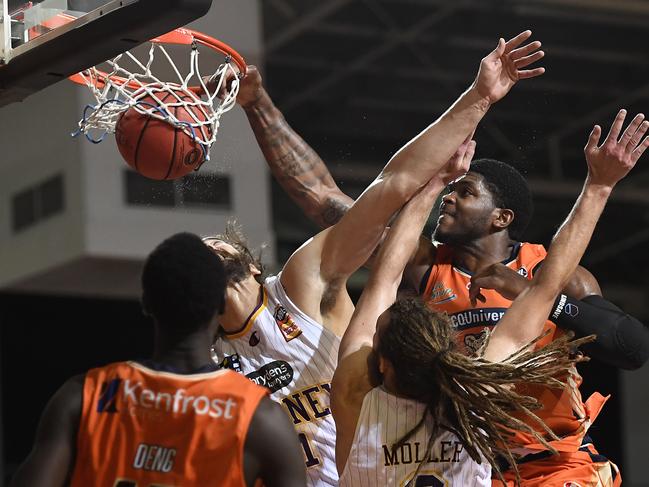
120	89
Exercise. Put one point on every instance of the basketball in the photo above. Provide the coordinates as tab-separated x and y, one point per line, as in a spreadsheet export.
157	149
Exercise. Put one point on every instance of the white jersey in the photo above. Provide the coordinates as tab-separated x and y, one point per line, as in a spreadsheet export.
383	421
283	349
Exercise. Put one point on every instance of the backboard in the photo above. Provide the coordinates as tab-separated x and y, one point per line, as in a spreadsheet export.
45	41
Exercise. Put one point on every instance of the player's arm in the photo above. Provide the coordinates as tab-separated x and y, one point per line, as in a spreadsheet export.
606	166
51	460
272	451
295	165
352	380
337	252
622	340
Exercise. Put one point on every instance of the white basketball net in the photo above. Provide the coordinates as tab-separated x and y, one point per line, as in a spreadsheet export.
120	89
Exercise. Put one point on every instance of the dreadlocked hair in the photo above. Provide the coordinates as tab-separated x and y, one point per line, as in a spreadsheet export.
234	236
469	396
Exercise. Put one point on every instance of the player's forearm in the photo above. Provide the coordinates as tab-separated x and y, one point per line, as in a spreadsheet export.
570	242
403	238
422	157
533	305
295	165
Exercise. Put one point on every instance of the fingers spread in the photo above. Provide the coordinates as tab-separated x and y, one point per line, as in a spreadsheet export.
513	43
631	129
640	150
530	73
500	48
525	50
593	140
527	60
635	139
616	127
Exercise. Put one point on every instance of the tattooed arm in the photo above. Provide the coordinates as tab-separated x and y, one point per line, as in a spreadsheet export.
294	164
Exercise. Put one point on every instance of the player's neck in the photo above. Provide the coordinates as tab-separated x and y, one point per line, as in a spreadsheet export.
476	254
241	300
186	353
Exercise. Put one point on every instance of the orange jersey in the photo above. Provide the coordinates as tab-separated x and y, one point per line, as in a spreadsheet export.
446	289
143	428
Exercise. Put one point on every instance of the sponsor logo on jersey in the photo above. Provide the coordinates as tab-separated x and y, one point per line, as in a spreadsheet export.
523	272
254	339
135	398
273	375
473	342
477	317
231	362
108	396
286	325
441	294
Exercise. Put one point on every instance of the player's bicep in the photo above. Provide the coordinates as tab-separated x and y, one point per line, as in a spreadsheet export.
582	284
273	443
52	458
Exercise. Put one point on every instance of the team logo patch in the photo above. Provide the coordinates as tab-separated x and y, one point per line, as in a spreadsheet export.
523	272
254	339
231	362
273	375
441	294
474	342
108	396
286	324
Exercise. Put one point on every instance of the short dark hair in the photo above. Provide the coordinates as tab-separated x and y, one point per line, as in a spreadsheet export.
183	283
509	190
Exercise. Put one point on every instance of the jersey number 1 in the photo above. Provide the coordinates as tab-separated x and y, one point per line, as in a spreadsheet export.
311	460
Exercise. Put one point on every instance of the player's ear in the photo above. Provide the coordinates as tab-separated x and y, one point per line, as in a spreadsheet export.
503	218
253	270
144	306
382	364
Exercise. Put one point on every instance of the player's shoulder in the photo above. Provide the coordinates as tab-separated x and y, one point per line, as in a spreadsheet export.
531	251
530	255
110	369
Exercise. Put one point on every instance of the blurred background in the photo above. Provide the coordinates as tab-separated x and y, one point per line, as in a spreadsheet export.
357	79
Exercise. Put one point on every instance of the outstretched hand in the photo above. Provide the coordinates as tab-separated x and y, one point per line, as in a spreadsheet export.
612	161
503	67
459	163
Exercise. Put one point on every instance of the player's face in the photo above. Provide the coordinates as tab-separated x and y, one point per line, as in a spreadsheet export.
220	248
466	211
237	268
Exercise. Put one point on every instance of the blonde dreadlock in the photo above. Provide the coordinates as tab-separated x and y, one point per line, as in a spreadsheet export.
471	397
